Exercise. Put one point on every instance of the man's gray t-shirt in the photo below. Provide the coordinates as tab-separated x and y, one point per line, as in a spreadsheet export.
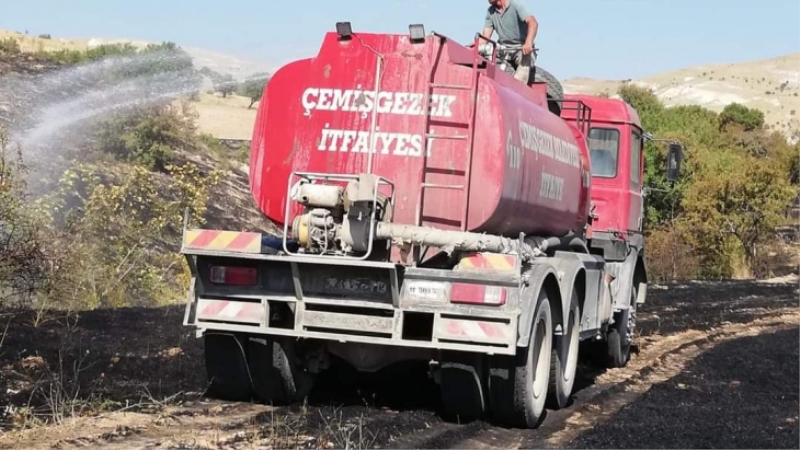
510	23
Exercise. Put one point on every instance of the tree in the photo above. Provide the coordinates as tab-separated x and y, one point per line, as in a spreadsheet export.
735	113
643	100
253	88
738	197
225	85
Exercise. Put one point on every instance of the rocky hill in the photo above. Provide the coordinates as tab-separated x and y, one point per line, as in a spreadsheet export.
772	86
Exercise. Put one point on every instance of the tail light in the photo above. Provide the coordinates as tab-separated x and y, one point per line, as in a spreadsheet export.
477	294
234	276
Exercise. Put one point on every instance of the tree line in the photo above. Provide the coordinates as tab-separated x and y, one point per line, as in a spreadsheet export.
739	182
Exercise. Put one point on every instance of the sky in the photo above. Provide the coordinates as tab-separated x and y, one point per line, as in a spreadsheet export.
607	39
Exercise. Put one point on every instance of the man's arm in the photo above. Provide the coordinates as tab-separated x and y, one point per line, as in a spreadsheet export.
533	29
488	29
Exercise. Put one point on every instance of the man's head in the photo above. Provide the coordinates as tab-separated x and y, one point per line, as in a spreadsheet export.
496	3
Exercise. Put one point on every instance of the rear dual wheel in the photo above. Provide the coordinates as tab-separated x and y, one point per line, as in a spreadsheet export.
518	385
564	362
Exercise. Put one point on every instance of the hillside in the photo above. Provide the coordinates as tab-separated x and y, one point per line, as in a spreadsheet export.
772	86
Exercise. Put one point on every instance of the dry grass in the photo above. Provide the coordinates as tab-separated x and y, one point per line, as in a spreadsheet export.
31	43
226	118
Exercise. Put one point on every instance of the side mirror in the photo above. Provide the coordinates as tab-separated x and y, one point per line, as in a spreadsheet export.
674	158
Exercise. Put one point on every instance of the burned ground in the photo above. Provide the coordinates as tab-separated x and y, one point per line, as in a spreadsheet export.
716	367
742	394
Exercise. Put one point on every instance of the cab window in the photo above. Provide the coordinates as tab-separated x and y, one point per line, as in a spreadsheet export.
604	151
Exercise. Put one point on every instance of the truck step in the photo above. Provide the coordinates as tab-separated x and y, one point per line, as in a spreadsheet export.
453	138
450	86
443	186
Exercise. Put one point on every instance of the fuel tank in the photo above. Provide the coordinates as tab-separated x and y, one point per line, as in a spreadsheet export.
489	149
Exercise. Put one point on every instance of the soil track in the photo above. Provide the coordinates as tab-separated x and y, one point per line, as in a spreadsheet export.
716	367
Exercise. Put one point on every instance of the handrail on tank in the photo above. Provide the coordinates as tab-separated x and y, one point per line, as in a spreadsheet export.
327	177
583	113
475	44
495	44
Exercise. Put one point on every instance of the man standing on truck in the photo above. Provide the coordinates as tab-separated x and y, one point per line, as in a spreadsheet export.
515	26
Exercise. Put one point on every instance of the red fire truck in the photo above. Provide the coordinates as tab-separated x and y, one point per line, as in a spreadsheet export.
433	208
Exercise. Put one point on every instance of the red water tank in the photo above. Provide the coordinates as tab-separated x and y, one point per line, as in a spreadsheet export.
529	169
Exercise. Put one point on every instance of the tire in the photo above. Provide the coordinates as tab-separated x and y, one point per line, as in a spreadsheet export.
518	384
277	377
564	362
620	336
226	366
555	92
462	387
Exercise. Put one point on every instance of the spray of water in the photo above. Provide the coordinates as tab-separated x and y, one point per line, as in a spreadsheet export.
51	115
48	110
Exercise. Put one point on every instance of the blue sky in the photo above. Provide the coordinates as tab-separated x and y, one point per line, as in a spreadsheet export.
614	39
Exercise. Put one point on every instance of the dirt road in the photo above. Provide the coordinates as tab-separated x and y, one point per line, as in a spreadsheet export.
716	367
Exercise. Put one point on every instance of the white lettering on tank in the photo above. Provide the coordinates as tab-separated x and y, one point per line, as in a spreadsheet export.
325	96
308	103
386	102
443	104
539	141
552	187
513	152
352	141
342	100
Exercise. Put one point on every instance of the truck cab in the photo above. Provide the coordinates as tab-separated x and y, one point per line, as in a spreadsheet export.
615	139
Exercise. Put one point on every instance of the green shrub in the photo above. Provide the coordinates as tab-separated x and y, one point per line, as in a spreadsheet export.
9	46
23	261
749	119
147	136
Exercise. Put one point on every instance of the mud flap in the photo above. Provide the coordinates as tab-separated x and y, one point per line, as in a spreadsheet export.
226	366
277	379
463	387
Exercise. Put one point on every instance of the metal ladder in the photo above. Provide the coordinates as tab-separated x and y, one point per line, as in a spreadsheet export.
468	138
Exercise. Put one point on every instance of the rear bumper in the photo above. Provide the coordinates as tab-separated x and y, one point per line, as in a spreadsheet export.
308	302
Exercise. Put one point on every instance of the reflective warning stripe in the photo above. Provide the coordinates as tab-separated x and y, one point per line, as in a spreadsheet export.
494	261
230	241
474	331
230	310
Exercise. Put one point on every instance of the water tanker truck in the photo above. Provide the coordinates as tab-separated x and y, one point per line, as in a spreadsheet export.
432	208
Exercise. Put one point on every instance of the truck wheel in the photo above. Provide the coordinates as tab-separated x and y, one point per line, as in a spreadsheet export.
277	377
555	92
226	366
462	387
620	336
564	362
518	384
